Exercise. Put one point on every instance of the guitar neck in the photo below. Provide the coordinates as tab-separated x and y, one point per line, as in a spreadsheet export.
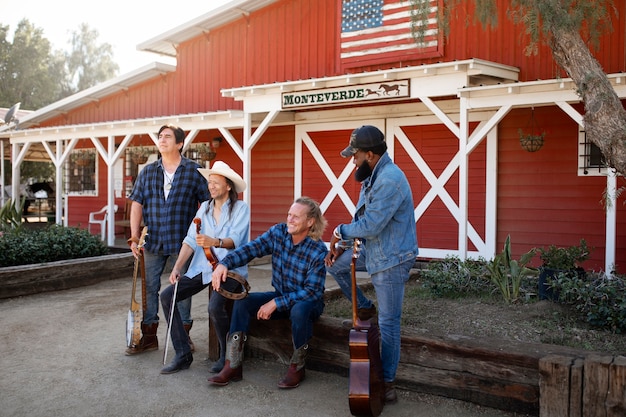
144	301
354	299
134	305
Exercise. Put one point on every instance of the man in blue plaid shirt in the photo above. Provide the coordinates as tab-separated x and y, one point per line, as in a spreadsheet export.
298	278
165	197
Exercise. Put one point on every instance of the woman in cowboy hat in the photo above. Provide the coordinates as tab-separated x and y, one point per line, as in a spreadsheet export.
224	226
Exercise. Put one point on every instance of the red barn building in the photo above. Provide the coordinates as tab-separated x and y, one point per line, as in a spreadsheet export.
284	82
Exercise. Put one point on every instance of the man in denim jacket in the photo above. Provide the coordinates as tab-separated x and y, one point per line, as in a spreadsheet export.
384	220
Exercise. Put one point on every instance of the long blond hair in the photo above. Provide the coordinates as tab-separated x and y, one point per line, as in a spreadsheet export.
315	212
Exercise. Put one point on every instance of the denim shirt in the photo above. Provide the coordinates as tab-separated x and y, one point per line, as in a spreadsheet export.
235	226
384	218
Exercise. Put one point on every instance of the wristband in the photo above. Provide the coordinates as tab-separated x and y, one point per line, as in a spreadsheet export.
133	240
336	233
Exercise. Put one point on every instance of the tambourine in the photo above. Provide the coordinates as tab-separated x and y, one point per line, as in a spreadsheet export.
235	287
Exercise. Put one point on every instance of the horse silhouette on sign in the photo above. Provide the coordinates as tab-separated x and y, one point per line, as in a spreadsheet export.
391	88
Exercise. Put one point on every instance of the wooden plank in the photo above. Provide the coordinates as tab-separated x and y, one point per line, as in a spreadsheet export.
494	373
616	397
596	385
576	388
63	275
554	371
465	373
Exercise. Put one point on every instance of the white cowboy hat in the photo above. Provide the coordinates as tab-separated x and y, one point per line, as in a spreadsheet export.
222	168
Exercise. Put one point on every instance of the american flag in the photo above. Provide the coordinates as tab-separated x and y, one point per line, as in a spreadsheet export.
377	31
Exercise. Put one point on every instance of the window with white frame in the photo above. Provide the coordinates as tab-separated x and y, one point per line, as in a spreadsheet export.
590	158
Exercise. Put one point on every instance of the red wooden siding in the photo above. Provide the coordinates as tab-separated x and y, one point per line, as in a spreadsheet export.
314	182
541	200
272	179
437	228
298	39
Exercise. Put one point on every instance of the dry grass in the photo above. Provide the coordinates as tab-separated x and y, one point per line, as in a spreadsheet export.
533	321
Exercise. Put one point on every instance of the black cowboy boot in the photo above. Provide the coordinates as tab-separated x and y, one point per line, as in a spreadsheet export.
187	328
221	331
178	364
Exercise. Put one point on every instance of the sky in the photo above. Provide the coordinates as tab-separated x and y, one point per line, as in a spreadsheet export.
122	23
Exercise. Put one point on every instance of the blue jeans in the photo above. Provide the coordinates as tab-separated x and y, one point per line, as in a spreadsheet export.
389	286
188	287
155	265
302	315
342	272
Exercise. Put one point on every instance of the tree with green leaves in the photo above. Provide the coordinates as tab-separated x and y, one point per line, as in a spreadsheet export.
30	72
563	25
88	62
34	75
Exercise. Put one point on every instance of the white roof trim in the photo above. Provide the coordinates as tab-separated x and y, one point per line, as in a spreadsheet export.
542	92
166	43
476	70
95	93
213	120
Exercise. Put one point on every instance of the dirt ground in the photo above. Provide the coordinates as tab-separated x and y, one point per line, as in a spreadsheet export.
63	354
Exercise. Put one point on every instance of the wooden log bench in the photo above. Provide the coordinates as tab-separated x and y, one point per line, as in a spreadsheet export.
571	386
499	374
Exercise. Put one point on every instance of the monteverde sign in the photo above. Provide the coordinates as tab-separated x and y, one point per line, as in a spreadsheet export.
346	94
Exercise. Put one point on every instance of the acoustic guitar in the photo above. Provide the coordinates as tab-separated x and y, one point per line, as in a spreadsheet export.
135	314
366	394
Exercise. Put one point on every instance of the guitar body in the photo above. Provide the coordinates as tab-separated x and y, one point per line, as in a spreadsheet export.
133	328
135	314
367	388
366	377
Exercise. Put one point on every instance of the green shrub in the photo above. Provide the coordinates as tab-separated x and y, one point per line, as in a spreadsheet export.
563	259
453	278
600	299
22	246
11	215
507	274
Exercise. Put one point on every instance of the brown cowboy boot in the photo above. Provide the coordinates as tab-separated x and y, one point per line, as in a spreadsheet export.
187	328
148	341
233	368
295	373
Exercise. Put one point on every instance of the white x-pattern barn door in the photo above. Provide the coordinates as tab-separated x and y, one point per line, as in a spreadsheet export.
482	240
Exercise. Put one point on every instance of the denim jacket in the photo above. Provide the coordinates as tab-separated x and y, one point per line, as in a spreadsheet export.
384	218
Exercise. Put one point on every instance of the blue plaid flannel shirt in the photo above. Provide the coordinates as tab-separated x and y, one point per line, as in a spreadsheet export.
298	271
168	221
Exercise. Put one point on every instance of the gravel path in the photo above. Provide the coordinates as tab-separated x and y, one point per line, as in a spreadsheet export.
63	354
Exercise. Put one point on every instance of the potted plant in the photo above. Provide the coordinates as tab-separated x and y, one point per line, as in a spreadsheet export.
531	142
206	152
140	154
558	261
83	158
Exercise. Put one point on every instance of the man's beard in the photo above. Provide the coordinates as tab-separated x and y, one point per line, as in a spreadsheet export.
363	172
